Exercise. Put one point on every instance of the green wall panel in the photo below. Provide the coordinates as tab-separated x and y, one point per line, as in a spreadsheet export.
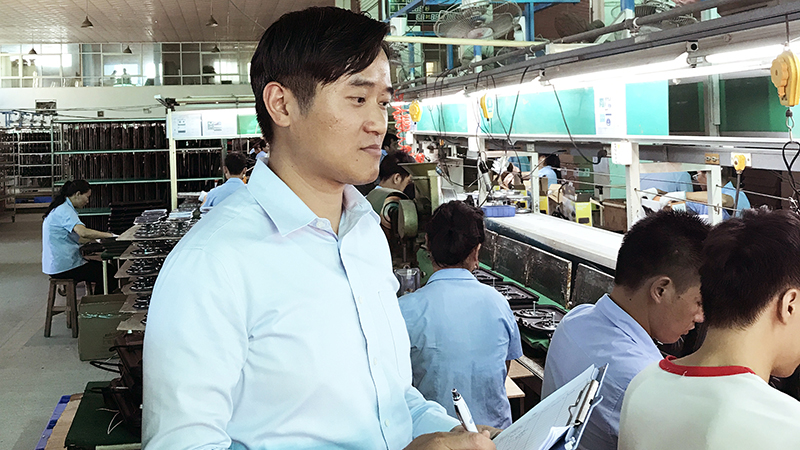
751	104
444	118
248	125
647	106
687	108
538	113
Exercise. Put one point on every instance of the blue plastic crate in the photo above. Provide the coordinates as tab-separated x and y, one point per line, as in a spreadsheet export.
499	211
43	199
62	405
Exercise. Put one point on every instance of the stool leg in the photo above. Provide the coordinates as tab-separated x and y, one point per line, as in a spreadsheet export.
73	309
51	299
67	306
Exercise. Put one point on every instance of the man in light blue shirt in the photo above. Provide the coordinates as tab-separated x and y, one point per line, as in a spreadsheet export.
656	296
463	333
728	189
550	162
274	322
234	171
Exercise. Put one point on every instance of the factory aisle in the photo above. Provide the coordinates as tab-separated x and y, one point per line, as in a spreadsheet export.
34	371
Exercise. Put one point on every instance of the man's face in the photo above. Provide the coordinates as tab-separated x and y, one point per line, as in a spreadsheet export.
338	140
678	313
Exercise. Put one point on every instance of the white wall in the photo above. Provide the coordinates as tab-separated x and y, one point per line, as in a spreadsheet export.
115	102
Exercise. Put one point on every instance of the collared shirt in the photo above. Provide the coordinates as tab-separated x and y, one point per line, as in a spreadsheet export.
550	174
223	191
667	181
267	330
669	407
60	248
728	189
599	334
462	333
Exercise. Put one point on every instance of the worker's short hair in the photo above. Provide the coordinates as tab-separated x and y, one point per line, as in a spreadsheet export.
748	261
391	165
304	49
236	163
667	243
453	232
552	160
388	140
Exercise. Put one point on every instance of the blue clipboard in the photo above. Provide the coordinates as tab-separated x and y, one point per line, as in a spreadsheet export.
581	411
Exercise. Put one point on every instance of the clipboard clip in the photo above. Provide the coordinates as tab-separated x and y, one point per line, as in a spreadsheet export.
584	403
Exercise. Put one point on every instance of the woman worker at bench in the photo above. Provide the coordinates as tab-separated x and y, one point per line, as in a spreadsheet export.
62	232
463	334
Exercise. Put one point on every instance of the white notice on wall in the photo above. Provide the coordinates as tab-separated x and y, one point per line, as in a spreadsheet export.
187	125
219	123
611	117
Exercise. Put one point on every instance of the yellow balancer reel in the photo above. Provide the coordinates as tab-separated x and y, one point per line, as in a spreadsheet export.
786	77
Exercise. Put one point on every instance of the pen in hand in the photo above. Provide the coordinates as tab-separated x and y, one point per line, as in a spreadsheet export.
462	411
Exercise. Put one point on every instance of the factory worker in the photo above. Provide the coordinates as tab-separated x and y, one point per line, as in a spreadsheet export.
62	231
656	296
718	398
235	171
294	338
463	333
550	164
393	180
728	192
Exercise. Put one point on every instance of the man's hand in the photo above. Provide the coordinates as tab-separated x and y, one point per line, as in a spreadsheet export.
452	441
493	432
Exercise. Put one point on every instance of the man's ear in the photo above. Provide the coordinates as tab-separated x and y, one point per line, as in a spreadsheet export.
788	304
659	287
276	98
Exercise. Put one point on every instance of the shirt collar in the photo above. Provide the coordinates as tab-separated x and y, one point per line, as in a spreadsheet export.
69	202
289	212
452	274
234	180
623	321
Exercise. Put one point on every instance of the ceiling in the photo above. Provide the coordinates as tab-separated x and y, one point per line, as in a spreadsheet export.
53	21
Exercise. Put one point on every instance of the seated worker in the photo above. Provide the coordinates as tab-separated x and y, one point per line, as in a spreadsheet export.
551	162
718	398
656	295
728	194
62	231
234	171
463	333
393	180
511	178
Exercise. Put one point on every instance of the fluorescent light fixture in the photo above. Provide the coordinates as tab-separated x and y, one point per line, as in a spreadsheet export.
458	97
760	53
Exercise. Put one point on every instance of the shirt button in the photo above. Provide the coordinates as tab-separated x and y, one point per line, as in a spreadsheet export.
359	300
386	422
374	361
320	224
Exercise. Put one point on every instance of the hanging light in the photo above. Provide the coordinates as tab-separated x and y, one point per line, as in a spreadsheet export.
215	49
127	50
86	22
212	22
32	52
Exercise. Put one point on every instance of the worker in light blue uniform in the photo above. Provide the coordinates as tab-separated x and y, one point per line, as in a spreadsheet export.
62	231
463	334
728	189
235	170
550	162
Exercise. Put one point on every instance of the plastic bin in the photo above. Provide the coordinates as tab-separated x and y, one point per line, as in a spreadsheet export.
499	211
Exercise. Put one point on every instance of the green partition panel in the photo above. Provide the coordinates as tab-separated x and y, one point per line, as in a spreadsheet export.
447	118
647	106
687	108
247	124
538	113
751	104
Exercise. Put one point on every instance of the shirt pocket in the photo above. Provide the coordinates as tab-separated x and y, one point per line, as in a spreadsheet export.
400	344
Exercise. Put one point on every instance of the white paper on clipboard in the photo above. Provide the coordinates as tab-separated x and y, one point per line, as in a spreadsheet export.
541	427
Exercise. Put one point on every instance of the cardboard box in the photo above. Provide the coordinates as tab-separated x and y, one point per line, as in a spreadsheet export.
579	171
615	215
98	317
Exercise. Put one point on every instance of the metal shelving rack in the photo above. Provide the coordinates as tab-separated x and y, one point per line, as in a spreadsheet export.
37	166
7	180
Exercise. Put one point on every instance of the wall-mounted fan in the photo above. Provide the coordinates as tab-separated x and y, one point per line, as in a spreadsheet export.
478	20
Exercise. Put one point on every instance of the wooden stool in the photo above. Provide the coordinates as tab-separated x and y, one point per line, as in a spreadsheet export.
71	308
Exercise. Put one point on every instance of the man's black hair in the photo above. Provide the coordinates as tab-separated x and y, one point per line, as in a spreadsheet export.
236	163
391	165
747	261
453	232
388	140
304	49
552	160
667	243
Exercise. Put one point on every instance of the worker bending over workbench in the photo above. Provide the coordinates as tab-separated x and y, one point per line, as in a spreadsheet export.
656	295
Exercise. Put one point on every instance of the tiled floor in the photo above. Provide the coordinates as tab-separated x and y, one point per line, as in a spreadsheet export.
34	371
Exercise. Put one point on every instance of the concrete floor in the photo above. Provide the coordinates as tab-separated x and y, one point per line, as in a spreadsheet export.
34	371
